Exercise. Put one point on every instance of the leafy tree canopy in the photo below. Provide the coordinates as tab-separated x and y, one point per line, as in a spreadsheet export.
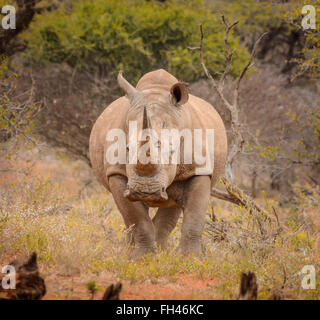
136	36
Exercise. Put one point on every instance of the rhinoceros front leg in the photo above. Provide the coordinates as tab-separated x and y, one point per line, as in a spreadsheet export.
195	203
164	222
134	213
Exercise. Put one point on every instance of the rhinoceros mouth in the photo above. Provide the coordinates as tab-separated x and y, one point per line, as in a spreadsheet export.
133	195
149	189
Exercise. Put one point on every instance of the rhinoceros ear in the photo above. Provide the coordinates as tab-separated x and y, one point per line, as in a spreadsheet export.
129	90
179	94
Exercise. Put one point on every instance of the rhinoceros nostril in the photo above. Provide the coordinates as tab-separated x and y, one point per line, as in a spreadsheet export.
127	193
163	194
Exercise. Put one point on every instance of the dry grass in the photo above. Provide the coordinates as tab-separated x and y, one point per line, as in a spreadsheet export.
57	209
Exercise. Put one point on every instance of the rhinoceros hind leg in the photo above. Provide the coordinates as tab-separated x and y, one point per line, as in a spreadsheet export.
195	205
164	222
136	214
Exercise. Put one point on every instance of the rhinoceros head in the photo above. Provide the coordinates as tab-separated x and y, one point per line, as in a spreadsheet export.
152	112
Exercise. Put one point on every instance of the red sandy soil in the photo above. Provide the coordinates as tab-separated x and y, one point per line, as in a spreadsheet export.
62	287
181	287
63	284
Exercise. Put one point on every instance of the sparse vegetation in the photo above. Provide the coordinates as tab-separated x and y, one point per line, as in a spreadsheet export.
85	234
92	288
51	204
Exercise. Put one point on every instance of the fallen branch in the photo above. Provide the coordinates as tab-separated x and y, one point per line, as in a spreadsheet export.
237	196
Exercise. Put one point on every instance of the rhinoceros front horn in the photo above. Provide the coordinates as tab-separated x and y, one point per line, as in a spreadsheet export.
145	120
129	90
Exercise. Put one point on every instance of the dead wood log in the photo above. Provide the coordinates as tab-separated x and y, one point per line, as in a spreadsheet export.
248	286
112	292
29	284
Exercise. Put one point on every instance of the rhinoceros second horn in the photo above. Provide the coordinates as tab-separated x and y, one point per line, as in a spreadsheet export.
129	90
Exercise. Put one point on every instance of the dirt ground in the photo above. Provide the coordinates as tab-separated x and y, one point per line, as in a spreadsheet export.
71	285
184	287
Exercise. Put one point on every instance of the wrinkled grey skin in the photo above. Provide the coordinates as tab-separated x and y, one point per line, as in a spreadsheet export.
159	101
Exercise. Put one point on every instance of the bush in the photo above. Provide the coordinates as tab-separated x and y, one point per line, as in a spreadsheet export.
136	36
255	17
17	110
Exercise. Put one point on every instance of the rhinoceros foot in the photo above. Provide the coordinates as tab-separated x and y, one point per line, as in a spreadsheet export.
139	253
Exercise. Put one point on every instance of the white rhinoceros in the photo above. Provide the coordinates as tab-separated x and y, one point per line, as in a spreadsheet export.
141	178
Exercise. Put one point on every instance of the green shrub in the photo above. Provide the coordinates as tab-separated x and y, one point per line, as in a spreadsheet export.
255	17
136	36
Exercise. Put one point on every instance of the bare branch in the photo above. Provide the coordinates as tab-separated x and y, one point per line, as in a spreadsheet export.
207	73
234	110
229	54
219	87
249	65
234	194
